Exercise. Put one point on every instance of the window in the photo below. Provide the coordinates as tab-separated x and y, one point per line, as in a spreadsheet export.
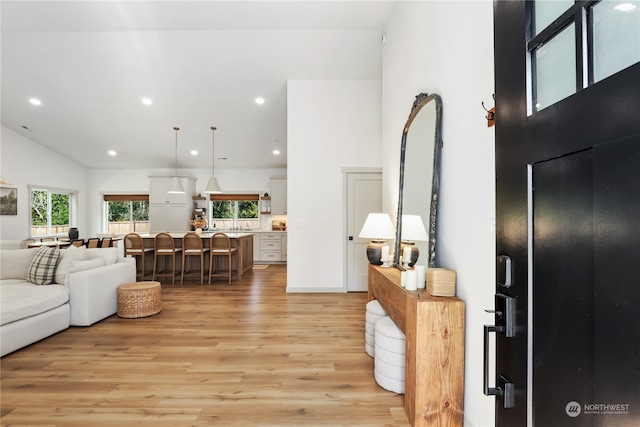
230	211
127	213
577	44
52	211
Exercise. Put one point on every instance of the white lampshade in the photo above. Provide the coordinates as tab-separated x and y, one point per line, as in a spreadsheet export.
212	186
377	226
413	229
175	186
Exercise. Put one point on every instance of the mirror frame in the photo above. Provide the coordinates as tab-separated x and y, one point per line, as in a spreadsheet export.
421	100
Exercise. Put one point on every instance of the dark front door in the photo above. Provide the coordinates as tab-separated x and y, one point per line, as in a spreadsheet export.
568	227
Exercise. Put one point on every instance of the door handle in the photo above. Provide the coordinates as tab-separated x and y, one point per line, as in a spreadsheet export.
350	237
505	388
487	330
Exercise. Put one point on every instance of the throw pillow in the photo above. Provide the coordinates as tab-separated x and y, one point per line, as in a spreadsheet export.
42	269
15	263
67	256
83	265
110	255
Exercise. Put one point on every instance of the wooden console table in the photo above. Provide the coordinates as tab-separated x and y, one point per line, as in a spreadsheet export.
434	330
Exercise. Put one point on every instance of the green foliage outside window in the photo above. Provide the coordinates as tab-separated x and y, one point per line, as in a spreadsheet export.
223	209
40	209
59	209
228	213
125	211
248	209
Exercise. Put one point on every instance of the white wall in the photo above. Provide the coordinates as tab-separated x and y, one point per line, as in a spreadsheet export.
446	48
330	125
24	162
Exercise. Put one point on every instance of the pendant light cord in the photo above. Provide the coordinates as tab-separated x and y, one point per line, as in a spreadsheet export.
213	157
176	129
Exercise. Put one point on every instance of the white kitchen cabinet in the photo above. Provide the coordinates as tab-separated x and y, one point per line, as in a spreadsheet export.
272	247
168	217
278	195
167	211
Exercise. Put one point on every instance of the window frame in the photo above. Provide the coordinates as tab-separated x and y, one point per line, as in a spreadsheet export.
581	15
73	208
138	197
236	199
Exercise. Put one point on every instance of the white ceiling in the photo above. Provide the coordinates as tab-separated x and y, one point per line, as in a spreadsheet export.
201	62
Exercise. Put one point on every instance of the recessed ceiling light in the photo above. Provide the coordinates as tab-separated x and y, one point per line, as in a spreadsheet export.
112	152
146	101
194	152
625	7
35	101
276	152
259	101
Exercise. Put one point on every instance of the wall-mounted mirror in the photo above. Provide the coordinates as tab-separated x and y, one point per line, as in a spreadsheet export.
420	176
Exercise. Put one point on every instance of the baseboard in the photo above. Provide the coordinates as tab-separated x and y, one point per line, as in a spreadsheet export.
309	290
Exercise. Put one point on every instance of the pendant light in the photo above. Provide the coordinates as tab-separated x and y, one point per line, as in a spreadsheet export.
212	186
175	186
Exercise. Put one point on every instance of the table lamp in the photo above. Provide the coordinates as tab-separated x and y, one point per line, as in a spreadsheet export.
377	227
412	231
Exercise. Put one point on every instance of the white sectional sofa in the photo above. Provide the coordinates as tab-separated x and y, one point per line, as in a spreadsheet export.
83	291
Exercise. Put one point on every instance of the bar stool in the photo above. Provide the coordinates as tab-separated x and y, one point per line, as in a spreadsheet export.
220	245
192	246
134	246
165	246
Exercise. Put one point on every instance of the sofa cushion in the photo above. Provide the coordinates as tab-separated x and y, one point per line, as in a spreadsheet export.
12	244
67	256
21	299
109	255
42	269
14	263
88	264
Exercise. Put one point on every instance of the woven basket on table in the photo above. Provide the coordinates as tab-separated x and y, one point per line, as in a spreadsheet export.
441	282
139	299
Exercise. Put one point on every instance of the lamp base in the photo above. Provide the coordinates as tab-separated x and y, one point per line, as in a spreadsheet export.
415	252
374	251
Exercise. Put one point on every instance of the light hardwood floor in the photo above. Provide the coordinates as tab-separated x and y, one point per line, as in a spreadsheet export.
245	354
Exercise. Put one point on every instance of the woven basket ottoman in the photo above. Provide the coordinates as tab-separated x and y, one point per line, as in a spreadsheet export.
139	299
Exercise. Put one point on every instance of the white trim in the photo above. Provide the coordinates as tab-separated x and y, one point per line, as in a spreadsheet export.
315	290
347	169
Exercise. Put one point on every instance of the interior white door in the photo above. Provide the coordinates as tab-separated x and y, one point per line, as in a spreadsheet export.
364	195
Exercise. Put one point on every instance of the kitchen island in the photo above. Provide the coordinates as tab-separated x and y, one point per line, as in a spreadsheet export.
243	241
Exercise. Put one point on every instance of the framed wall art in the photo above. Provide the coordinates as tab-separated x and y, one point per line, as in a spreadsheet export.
8	201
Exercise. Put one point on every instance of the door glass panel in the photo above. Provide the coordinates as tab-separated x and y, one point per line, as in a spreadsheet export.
548	11
555	63
616	37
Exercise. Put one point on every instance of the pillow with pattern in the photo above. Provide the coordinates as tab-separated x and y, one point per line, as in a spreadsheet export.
42	269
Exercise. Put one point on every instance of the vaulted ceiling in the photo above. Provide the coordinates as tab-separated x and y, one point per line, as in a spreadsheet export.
201	63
